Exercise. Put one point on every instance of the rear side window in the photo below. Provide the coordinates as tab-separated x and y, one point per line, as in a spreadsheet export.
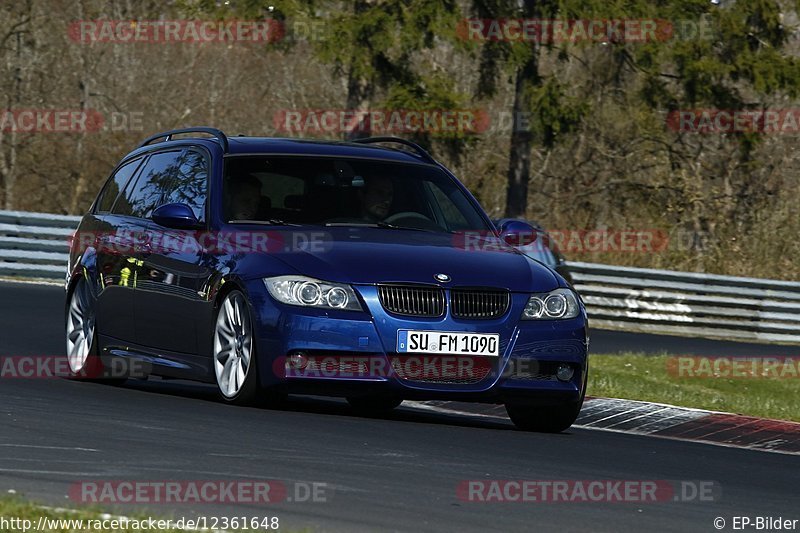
141	198
115	184
190	183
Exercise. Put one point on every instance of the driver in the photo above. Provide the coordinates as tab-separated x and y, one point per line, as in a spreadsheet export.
376	198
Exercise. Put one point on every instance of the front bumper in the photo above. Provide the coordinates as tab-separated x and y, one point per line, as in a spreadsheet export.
353	354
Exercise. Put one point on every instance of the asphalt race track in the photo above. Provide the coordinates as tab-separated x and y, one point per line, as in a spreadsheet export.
398	473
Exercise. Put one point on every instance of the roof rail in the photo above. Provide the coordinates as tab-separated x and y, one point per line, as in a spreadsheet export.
417	148
223	139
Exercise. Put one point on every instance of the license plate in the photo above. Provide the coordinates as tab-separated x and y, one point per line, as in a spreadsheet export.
447	342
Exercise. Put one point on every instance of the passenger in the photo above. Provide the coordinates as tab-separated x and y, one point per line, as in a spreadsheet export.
245	197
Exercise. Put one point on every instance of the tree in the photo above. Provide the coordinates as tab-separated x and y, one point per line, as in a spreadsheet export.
538	96
17	49
373	45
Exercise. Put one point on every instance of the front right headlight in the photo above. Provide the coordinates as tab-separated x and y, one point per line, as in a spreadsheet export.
554	305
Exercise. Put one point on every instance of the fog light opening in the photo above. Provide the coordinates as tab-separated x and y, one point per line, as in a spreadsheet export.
565	372
298	361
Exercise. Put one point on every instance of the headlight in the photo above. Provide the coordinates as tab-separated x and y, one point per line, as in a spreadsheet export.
558	304
310	292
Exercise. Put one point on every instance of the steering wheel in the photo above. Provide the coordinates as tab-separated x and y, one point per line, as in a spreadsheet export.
406	214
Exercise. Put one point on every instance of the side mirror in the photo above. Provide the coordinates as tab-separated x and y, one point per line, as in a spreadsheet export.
516	232
176	216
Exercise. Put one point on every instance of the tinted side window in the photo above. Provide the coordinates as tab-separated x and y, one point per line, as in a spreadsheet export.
189	185
115	184
145	195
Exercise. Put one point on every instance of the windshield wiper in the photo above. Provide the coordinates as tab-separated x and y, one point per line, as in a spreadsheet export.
268	222
382	225
387	225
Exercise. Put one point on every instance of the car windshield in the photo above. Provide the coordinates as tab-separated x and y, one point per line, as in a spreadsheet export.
348	192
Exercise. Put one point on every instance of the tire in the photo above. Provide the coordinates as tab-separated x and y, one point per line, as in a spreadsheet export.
233	351
373	405
83	361
551	419
544	419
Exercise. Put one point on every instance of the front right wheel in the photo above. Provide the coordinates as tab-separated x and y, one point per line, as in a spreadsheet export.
82	355
234	351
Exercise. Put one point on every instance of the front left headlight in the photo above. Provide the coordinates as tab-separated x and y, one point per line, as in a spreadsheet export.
310	292
554	305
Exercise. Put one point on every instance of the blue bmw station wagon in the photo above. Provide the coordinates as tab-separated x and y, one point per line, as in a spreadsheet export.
282	266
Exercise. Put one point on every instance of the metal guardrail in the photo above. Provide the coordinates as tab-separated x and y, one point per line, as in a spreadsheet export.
35	245
688	303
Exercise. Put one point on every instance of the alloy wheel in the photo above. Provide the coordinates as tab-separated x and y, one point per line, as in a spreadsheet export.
233	345
80	327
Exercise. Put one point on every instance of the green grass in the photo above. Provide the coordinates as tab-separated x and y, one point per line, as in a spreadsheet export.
644	377
16	509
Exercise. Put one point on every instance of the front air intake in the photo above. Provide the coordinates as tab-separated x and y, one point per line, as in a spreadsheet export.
409	300
478	304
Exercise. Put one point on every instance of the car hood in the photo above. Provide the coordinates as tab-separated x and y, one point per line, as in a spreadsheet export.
372	255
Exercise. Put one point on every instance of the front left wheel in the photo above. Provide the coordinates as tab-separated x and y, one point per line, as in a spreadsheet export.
373	405
552	419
